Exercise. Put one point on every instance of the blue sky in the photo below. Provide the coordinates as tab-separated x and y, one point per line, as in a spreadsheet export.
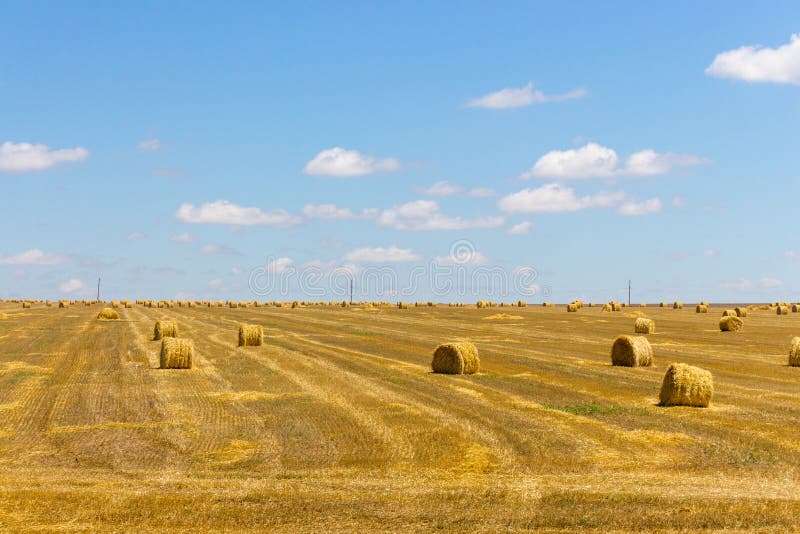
176	149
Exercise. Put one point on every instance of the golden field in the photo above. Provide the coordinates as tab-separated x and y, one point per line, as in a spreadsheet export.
337	424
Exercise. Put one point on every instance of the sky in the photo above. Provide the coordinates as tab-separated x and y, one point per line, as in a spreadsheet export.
444	151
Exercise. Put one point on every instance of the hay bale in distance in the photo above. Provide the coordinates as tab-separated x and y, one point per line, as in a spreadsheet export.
458	358
643	325
164	329
606	307
730	324
108	314
741	311
701	308
63	304
251	335
795	308
176	353
794	352
632	351
686	385
26	305
782	310
730	313
615	306
677	305
572	307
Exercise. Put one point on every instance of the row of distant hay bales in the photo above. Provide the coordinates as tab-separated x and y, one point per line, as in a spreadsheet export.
683	384
178	353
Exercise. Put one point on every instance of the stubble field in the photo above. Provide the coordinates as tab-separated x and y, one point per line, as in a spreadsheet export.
337	423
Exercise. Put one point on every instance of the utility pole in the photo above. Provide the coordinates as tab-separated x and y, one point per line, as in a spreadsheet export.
98	288
351	291
629	293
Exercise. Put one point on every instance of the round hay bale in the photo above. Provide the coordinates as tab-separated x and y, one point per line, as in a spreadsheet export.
782	310
63	304
677	305
251	335
686	385
730	324
522	304
662	304
794	352
572	307
632	351
606	307
701	308
402	305
26	304
176	353
616	306
458	358
108	314
643	325
295	304
730	313
164	329
741	311
795	308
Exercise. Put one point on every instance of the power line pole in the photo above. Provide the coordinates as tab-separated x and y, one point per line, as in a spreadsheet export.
351	291
98	288
629	293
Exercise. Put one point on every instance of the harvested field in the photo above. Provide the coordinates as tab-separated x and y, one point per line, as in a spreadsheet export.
337	423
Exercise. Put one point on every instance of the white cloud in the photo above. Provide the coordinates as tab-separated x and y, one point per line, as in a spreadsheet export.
473	258
482	192
555	198
793	255
760	64
425	215
182	238
710	253
593	160
440	189
215	282
219	249
71	286
520	229
678	202
740	284
650	163
392	254
150	145
332	212
340	162
280	265
33	256
23	157
236	271
135	235
224	212
652	205
512	97
743	284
